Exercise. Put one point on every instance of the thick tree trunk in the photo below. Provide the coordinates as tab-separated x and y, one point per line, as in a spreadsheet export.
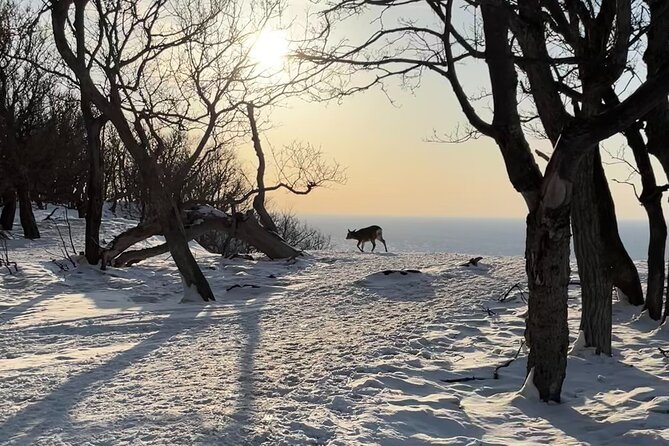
593	265
9	210
95	185
547	264
26	214
190	271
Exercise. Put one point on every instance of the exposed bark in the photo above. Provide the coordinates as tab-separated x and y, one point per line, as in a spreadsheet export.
8	210
26	214
547	254
259	199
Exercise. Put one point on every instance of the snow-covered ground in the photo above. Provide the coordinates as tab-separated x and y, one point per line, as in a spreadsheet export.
327	350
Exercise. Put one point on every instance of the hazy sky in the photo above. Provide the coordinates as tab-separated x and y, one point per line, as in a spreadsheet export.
392	170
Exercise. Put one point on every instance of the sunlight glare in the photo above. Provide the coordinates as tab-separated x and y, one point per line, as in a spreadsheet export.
270	50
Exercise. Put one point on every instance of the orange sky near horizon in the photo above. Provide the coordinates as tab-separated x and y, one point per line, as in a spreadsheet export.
393	171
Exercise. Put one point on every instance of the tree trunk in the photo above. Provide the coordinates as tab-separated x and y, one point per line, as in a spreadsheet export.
657	133
26	215
128	238
172	227
593	265
547	264
9	210
198	221
651	200
656	248
95	185
259	199
625	275
190	271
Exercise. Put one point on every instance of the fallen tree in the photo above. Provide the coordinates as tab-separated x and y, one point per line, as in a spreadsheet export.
197	220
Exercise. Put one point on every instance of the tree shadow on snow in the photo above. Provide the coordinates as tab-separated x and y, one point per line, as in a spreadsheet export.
52	412
590	430
239	428
14	311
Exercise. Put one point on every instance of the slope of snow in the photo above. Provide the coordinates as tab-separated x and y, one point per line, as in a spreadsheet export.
325	350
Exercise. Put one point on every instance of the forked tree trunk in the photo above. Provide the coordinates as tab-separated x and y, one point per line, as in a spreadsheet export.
26	214
95	185
9	210
547	264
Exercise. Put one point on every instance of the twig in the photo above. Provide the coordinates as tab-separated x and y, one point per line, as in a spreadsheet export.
459	380
4	260
515	286
508	363
496	372
48	217
64	251
488	310
246	285
664	352
542	155
69	232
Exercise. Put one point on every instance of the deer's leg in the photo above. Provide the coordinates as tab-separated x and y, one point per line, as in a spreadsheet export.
359	242
373	245
384	244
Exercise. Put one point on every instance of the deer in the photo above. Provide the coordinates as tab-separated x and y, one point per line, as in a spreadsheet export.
369	234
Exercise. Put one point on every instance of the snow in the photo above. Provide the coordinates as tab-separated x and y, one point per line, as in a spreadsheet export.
579	344
529	390
324	350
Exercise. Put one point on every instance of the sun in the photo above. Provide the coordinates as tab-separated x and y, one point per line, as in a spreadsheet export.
269	50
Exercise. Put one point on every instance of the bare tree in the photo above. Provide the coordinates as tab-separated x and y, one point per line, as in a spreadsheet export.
156	64
551	43
24	92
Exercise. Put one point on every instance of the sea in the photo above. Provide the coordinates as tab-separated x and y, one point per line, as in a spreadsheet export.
475	236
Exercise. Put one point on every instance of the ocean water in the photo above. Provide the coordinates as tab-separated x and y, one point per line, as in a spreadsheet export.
504	237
